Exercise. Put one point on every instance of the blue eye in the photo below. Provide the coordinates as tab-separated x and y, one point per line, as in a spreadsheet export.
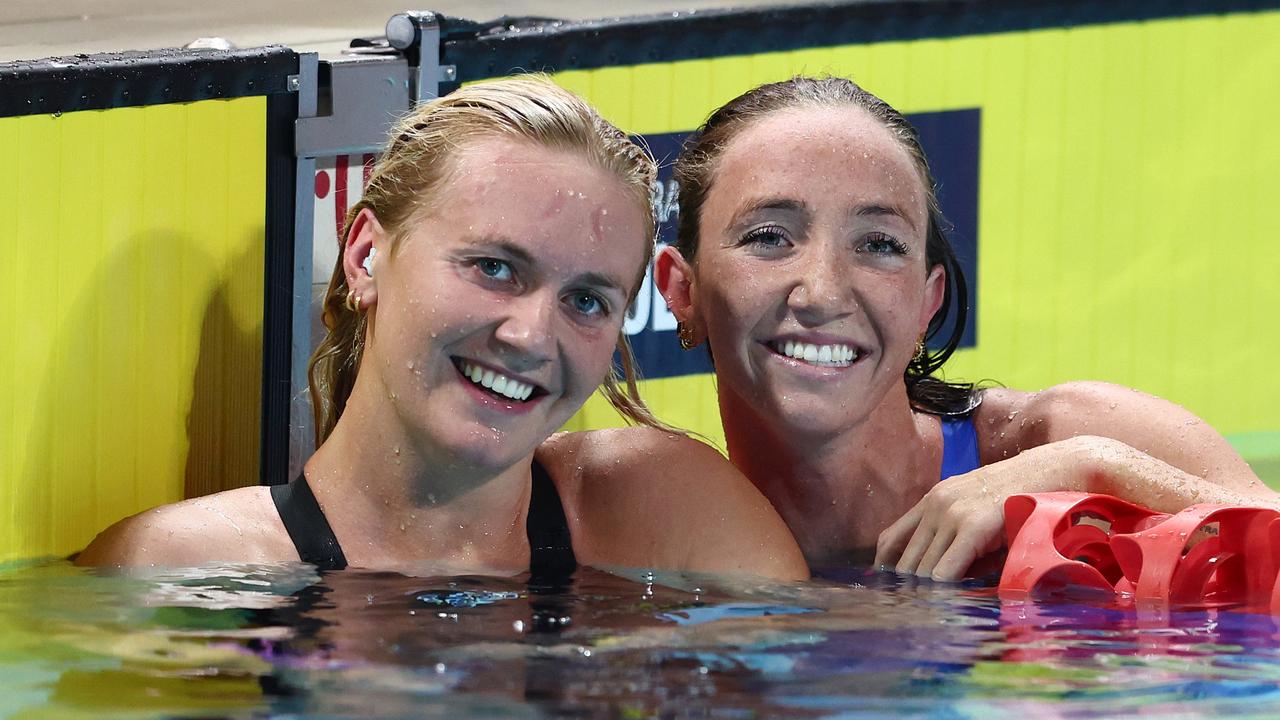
770	237
588	304
495	268
878	243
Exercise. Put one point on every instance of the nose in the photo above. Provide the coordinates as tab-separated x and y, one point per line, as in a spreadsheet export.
820	290
525	334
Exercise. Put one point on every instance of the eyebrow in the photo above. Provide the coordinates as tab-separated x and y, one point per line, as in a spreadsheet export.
747	213
523	256
595	279
762	204
798	206
500	243
874	210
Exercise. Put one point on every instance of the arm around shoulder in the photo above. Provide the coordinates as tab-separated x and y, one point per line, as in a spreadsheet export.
1156	427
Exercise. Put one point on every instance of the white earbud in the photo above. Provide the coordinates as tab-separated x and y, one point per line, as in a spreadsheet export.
368	261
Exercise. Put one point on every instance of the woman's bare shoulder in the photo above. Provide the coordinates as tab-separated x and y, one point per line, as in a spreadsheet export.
238	525
1007	423
622	455
648	498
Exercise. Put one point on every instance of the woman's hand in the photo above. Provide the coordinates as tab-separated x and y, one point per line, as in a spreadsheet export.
962	518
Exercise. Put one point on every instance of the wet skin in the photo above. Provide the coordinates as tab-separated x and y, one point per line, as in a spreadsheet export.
524	271
814	232
521	266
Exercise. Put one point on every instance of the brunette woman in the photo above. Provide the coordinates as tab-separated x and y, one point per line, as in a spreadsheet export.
812	263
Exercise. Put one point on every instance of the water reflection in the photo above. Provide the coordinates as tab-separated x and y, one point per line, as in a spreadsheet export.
246	641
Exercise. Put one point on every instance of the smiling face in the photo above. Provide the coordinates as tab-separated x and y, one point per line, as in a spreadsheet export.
810	280
498	310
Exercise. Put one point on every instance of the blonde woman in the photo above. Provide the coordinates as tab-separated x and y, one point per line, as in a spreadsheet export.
477	303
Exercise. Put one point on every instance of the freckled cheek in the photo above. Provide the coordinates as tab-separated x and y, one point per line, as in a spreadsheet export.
590	354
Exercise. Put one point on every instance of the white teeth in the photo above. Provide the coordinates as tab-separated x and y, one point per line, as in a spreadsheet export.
497	382
838	355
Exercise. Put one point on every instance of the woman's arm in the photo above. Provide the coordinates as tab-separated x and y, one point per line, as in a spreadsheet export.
650	499
1009	421
1090	437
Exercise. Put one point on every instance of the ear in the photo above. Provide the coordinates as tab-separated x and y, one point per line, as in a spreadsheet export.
365	237
935	288
674	278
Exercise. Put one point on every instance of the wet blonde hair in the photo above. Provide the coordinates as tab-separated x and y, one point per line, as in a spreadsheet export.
413	169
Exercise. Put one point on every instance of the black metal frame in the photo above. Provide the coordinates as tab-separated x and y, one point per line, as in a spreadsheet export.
508	45
154	77
278	293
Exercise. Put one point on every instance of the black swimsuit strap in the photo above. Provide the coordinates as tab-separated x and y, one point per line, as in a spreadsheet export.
551	557
307	525
550	544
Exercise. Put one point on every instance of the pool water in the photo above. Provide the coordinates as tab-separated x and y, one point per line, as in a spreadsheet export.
280	641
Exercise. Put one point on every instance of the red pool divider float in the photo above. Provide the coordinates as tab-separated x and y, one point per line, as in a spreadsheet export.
1080	544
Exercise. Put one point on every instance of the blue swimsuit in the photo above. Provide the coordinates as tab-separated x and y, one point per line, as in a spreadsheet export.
959	446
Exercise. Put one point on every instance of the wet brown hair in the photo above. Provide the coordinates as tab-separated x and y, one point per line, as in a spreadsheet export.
408	176
695	173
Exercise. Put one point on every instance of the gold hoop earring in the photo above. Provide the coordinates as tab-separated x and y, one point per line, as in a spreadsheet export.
685	334
920	350
352	302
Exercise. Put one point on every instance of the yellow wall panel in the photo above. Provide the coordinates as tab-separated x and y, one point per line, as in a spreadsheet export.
134	366
1127	209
